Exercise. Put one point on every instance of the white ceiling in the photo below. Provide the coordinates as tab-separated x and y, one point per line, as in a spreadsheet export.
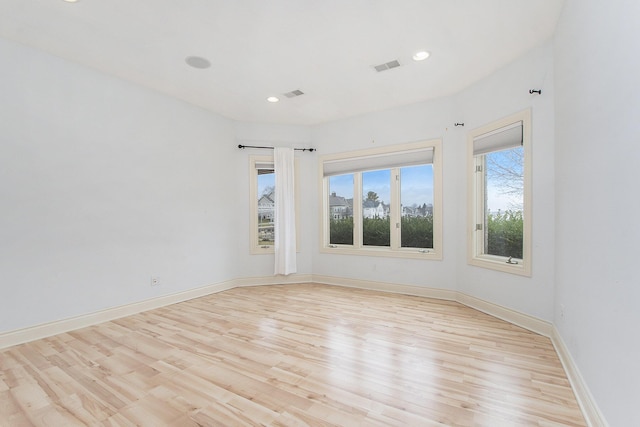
260	48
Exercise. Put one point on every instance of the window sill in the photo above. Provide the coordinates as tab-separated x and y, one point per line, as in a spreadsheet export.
430	254
498	263
266	251
262	251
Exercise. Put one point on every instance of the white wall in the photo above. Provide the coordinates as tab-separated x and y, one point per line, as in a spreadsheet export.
597	163
102	185
419	122
499	95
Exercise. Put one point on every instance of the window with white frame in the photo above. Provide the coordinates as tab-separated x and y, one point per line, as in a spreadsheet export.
500	195
262	182
384	201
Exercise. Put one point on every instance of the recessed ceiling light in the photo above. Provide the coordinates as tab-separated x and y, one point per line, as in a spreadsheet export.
71	1
272	99
197	62
420	56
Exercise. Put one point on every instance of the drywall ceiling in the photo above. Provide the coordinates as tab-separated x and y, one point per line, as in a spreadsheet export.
259	48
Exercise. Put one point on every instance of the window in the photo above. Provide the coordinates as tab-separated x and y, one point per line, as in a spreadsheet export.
262	204
499	186
384	202
341	209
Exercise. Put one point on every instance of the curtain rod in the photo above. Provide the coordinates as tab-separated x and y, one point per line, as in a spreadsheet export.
271	148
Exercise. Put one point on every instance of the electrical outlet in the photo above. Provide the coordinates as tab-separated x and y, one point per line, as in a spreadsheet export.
155	280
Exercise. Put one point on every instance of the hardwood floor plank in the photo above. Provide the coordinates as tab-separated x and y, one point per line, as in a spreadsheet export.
291	355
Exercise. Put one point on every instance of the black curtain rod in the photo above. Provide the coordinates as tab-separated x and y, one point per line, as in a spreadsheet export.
271	148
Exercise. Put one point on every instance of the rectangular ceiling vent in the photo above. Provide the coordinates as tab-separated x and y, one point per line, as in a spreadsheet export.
294	93
387	66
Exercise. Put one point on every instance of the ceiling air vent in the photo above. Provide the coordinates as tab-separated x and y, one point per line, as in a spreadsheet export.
294	93
387	66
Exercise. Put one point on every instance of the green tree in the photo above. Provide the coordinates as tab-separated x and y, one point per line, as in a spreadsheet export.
376	232
417	232
341	231
372	195
504	234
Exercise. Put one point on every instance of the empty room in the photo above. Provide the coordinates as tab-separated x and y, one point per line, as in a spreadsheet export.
319	213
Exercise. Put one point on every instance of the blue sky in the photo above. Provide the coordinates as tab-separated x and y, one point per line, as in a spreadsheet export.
499	197
342	185
417	185
497	200
264	181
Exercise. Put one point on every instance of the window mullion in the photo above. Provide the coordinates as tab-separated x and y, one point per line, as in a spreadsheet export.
395	214
326	230
481	223
357	210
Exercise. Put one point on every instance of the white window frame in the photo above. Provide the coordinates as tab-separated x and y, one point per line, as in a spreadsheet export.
394	250
476	201
254	247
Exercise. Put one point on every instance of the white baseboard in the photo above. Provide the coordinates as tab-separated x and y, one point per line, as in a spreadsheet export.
45	330
592	414
420	291
20	336
530	323
273	280
589	408
585	399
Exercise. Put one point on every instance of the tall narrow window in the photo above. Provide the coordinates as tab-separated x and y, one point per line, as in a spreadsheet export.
500	188
376	229
263	204
262	183
341	210
504	202
384	202
416	201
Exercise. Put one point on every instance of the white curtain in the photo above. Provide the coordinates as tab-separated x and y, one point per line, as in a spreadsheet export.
285	213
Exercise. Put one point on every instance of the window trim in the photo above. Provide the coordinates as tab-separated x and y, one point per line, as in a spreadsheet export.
393	251
475	204
254	248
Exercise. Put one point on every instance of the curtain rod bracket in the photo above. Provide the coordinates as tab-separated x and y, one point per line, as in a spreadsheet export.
459	124
538	91
271	148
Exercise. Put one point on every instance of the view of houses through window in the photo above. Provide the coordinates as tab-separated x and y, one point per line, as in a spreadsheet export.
413	188
376	225
266	206
341	210
416	201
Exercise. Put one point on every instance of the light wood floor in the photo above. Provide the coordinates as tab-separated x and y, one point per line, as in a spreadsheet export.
292	355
